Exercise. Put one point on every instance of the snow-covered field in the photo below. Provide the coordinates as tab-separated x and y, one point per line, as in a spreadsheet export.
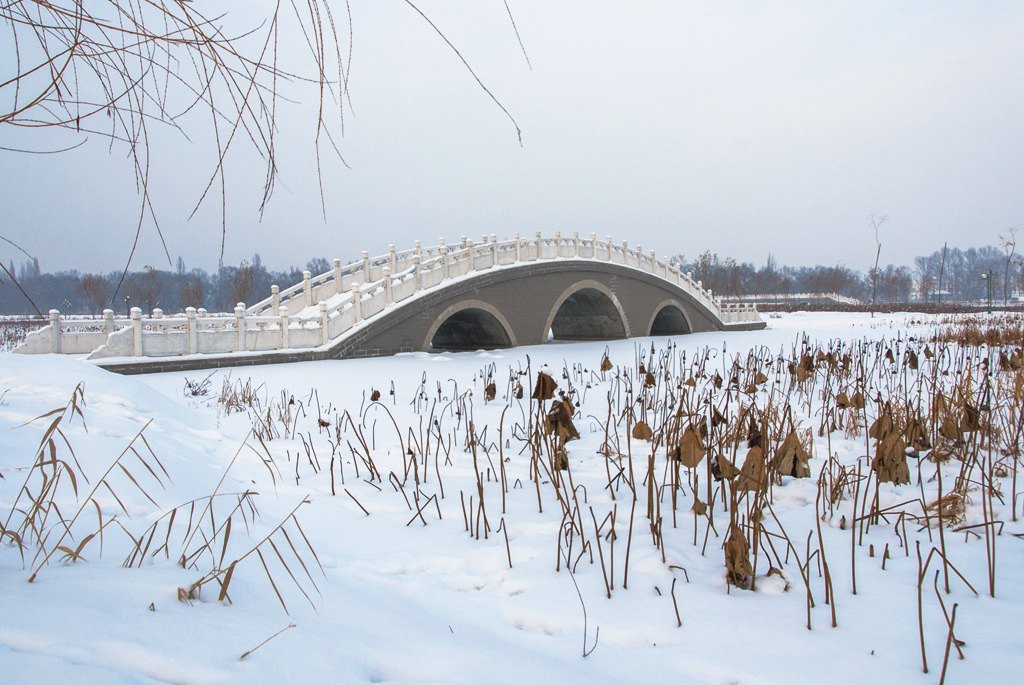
353	515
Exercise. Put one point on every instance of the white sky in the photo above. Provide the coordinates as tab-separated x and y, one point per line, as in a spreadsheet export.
733	127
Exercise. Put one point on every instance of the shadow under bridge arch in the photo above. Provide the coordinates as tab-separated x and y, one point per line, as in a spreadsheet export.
587	310
469	325
670	318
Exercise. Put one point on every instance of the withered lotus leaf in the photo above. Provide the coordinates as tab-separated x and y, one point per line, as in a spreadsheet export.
791	459
723	469
950	429
691	452
559	421
375	395
737	557
490	391
641	431
912	362
699	508
971	420
842	400
760	378
890	462
753	474
545	387
606	363
880	427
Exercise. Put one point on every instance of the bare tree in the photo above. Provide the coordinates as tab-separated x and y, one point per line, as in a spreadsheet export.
118	68
94	288
876	223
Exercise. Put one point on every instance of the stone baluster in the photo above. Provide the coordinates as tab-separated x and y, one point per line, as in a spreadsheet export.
275	299
443	251
391	258
136	315
575	243
55	331
325	322
307	289
356	305
337	277
284	332
494	250
193	337
468	244
240	323
416	272
515	237
387	285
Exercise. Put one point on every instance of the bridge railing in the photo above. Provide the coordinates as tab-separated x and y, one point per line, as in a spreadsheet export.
325	306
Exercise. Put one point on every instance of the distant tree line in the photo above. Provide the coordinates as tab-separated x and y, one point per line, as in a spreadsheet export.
950	274
73	292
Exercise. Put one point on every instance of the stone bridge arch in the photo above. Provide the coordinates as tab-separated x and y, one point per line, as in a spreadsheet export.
669	318
469	325
587	310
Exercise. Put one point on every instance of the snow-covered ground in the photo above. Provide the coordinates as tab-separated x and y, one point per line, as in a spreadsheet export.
398	597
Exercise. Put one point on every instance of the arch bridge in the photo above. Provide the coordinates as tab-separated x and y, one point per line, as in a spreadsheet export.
492	294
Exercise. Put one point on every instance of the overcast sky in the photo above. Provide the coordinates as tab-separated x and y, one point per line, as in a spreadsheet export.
744	128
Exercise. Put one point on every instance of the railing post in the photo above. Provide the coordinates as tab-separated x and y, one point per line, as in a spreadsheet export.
136	315
515	237
417	248
443	251
284	332
275	299
391	257
55	331
325	333
108	321
307	289
337	277
158	313
609	248
201	312
193	339
468	244
558	244
356	306
387	285
538	238
416	271
575	243
366	266
240	324
463	239
494	250
593	245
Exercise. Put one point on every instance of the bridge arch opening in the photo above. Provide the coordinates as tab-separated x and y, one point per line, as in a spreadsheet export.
588	313
670	320
471	328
